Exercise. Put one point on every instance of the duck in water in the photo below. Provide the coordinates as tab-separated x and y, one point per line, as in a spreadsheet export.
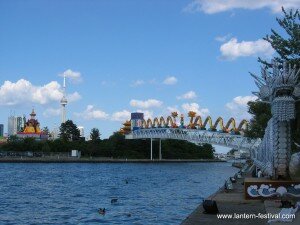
114	200
102	211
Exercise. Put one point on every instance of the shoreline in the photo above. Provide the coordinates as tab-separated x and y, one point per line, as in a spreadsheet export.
229	202
101	160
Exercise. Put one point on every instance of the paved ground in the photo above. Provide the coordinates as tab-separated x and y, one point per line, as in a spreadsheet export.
274	208
198	217
232	202
229	202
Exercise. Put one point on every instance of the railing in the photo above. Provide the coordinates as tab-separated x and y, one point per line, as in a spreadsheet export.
198	136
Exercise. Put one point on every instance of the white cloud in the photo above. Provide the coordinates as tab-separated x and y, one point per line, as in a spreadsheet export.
137	83
170	80
234	49
195	108
171	109
147	114
90	113
121	116
52	112
125	115
238	107
223	38
73	97
188	95
150	103
73	75
24	92
216	6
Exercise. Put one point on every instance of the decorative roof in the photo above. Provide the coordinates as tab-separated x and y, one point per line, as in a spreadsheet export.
33	114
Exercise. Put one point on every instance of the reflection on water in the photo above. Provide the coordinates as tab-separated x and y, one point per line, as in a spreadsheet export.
72	193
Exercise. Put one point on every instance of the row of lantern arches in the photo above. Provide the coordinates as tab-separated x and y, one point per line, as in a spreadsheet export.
196	122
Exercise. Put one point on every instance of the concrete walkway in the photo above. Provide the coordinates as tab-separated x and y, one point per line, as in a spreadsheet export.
230	202
273	207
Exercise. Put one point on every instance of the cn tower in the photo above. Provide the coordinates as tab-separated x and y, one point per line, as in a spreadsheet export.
63	102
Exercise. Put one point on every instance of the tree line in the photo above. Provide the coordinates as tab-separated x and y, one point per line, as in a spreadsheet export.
116	146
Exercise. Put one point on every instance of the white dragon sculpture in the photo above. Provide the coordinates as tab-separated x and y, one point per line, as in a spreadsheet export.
281	89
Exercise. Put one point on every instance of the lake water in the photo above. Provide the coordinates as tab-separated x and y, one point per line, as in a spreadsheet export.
162	194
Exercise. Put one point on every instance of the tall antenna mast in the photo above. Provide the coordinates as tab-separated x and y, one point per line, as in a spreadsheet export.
64	102
64	83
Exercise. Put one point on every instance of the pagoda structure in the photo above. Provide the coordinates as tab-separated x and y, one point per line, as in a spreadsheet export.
32	128
127	128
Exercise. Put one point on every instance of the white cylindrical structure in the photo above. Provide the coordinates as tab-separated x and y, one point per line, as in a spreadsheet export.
63	114
63	102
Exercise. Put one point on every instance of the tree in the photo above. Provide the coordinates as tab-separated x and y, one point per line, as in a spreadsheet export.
92	148
69	131
46	130
261	114
95	134
29	144
46	147
13	138
288	49
231	152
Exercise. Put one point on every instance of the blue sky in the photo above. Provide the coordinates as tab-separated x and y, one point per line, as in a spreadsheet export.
126	56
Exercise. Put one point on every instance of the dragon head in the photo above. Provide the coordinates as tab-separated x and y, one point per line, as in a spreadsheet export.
280	88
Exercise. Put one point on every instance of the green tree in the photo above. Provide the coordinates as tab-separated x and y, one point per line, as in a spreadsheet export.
13	138
95	134
231	152
46	147
261	114
69	131
29	144
92	148
46	130
287	47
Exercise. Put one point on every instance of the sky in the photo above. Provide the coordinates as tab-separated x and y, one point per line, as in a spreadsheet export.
125	56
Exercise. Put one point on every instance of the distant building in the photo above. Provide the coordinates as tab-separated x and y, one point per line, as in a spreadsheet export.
136	120
1	130
88	138
32	129
11	127
76	153
81	130
15	124
54	134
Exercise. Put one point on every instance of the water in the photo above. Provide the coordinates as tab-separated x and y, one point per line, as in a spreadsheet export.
72	193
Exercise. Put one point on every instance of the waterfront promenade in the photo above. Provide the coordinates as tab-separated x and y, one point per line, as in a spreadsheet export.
228	202
231	202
